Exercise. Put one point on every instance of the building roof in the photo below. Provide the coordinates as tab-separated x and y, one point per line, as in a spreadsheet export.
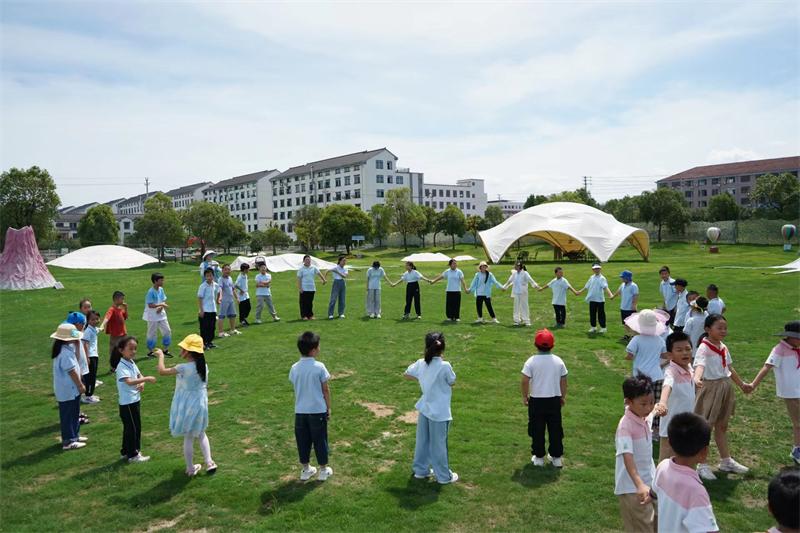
80	209
112	202
238	180
187	189
759	166
138	198
338	161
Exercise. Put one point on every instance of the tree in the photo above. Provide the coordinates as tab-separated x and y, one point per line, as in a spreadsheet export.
161	224
438	227
623	209
307	226
453	222
339	222
723	207
381	222
777	196
664	207
28	198
257	241
231	233
534	199
578	196
407	217
204	220
493	216
274	236
430	224
474	224
98	226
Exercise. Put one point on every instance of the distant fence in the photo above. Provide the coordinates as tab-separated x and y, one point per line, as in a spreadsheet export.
755	231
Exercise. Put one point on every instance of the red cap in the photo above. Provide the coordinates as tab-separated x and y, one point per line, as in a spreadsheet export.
544	339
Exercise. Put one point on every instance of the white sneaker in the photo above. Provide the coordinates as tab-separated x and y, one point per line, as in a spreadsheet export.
419	317
307	473
97	383
330	317
83	439
479	321
193	472
236	332
87	399
96	398
557	462
341	316
377	316
537	461
592	329
704	471
258	321
457	320
224	334
729	465
325	473
527	324
495	321
276	318
73	446
139	459
372	315
453	479
426	476
603	330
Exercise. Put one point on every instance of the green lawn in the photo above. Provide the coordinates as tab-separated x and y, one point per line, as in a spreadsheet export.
252	406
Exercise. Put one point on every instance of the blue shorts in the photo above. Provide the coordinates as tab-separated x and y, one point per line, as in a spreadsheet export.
227	309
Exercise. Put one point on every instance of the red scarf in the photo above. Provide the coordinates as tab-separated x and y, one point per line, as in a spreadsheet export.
797	352
722	352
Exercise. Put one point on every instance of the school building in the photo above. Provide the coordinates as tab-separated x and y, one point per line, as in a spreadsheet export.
468	195
246	197
508	207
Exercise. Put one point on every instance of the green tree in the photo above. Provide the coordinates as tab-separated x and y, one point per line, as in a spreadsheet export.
231	233
98	226
474	224
453	222
204	220
340	222
493	216
307	226
407	217
438	227
161	225
723	207
776	196
578	196
664	207
623	209
274	236
28	198
534	199
429	225
381	222
257	241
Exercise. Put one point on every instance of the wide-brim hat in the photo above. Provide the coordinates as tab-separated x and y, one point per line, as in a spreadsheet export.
209	252
791	329
483	264
67	332
596	265
646	322
192	343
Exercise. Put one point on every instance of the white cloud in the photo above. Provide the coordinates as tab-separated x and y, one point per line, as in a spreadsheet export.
730	155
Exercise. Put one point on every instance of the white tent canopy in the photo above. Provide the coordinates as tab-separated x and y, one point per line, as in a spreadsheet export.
282	263
572	227
104	257
427	257
464	258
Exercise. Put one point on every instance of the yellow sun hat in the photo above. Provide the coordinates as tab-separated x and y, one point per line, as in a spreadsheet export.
192	343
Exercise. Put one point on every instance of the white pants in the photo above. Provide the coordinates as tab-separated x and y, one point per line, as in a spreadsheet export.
152	333
521	312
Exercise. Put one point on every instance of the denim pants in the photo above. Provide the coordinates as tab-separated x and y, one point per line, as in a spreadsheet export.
68	414
337	293
373	301
311	429
431	449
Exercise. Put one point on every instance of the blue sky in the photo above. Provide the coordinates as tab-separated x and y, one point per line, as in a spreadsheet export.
529	96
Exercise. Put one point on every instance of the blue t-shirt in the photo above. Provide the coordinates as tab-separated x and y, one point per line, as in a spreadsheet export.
436	381
306	275
481	286
626	293
647	350
241	285
596	286
226	286
411	276
128	394
453	278
90	336
154	296
66	361
263	291
667	289
307	376
209	295
374	277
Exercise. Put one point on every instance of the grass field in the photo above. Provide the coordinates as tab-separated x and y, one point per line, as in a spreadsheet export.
251	410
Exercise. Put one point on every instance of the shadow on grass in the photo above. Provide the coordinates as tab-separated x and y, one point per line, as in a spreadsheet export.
284	494
161	493
532	477
34	458
417	493
90	474
41	432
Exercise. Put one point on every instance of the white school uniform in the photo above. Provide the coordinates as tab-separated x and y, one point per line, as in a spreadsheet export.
683	502
436	380
596	285
634	437
410	276
519	281
668	294
712	361
454	279
545	371
242	286
682	310
786	361
681	396
647	350
694	328
715	306
559	286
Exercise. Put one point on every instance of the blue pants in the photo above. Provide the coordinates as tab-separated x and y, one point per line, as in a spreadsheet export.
311	430
68	413
337	293
431	449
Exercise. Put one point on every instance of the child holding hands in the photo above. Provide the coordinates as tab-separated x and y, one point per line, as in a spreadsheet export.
130	384
677	392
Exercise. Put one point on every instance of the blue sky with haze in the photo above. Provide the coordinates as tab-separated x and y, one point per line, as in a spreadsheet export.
529	96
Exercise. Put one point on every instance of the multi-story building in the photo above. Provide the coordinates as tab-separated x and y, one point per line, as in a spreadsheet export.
183	197
361	179
133	205
246	197
699	184
508	207
68	218
114	205
467	195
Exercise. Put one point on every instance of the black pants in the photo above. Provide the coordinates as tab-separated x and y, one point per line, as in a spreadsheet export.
207	324
672	316
244	310
561	314
131	429
90	379
545	413
412	294
480	300
453	304
624	313
311	429
597	311
307	304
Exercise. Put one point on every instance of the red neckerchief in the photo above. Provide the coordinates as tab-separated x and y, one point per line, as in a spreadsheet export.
720	352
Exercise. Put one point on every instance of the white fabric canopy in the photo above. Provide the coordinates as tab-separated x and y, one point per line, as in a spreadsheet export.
464	258
281	263
426	257
103	257
572	227
788	268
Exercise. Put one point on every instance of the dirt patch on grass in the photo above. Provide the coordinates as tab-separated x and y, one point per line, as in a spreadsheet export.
251	451
603	357
164	524
410	417
343	374
377	409
244	422
386	466
214	402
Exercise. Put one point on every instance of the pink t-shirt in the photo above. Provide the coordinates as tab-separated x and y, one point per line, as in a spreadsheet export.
683	502
681	396
633	437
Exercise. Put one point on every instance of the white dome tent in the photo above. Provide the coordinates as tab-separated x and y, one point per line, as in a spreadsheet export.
569	226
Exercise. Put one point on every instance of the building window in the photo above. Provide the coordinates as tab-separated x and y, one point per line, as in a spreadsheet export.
289	214
320	198
427	203
389	165
288	202
357	194
379	178
745	190
745	179
447	193
327	184
744	200
441	192
688	194
714	181
126	225
356	167
730	179
347	169
347	180
731	191
714	192
468	206
399	180
703	192
379	193
337	171
702	203
338	196
337	182
283	203
676	184
356	179
283	215
441	205
379	164
461	205
389	179
346	195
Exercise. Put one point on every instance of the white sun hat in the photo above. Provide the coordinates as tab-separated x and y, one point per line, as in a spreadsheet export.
646	322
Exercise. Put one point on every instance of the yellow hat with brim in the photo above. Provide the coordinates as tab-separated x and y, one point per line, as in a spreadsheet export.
67	332
192	343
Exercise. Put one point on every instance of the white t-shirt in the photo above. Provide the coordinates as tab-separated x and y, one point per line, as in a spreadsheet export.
708	358
683	502
633	437
410	276
453	278
667	289
682	309
559	286
436	381
241	285
520	281
545	371
647	350
681	397
374	277
695	326
715	306
306	275
596	286
267	278
339	272
787	370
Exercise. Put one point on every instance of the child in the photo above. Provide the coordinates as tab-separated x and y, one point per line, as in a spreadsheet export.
713	372
411	276
683	502
338	289
455	282
78	320
695	322
668	293
208	262
519	281
544	391
208	296
226	307
188	416
559	285
436	379
634	468
90	338
785	359
628	292
155	314
307	288
374	277
264	292
130	384
677	392
481	286
783	494
715	304
67	384
243	294
646	350
682	305
114	326
596	287
312	407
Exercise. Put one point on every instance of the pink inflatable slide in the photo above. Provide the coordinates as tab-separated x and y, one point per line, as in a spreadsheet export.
21	265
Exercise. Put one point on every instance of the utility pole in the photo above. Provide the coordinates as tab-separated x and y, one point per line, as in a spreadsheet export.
586	181
147	186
